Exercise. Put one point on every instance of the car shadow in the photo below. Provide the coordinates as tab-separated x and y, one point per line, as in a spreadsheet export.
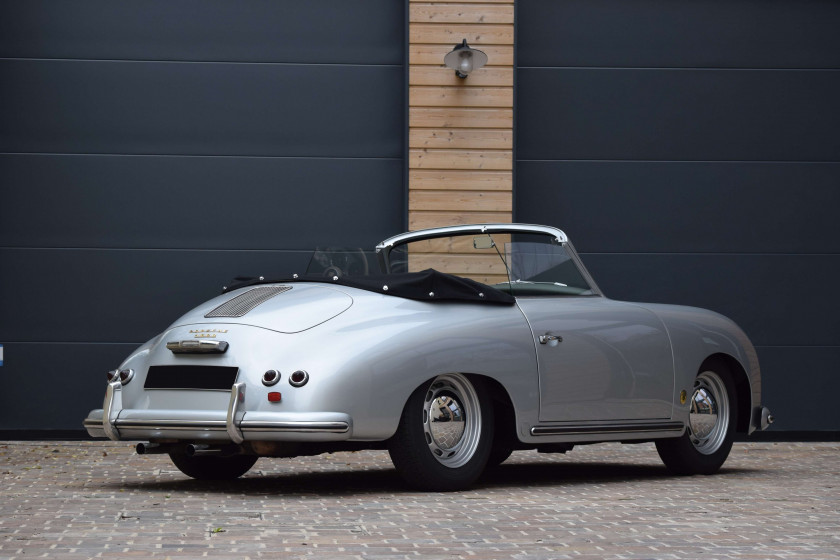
574	474
385	480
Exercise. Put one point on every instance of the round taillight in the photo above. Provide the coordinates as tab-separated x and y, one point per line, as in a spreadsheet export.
298	378
271	377
126	375
112	375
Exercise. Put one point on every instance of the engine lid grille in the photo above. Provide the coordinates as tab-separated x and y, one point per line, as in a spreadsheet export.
243	303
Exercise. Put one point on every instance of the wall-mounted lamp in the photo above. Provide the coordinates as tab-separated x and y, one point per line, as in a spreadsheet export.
464	59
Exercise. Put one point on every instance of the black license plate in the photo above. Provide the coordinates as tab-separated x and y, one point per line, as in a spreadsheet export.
191	377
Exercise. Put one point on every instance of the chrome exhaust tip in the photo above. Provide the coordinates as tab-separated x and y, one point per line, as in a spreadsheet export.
146	448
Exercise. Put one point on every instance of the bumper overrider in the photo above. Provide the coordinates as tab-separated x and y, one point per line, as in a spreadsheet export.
234	425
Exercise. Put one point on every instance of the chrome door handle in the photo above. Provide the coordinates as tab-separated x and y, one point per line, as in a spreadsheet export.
546	338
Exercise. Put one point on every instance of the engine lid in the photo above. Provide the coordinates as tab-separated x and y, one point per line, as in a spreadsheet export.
285	308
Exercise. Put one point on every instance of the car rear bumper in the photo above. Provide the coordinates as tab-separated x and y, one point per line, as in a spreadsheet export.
231	425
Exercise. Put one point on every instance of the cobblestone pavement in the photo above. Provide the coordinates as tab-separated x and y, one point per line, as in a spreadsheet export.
90	499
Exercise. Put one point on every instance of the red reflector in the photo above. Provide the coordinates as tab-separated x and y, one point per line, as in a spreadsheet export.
274	396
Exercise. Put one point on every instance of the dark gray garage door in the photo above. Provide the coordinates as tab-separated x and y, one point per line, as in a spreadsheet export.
691	151
151	150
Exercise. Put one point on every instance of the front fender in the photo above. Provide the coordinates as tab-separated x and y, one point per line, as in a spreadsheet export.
697	334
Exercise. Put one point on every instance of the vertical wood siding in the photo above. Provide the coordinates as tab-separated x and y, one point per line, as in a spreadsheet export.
460	130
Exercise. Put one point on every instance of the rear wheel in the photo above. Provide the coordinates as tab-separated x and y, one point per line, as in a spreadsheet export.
445	434
711	425
213	467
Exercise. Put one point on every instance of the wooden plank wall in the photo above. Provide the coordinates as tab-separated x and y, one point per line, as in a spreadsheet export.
460	130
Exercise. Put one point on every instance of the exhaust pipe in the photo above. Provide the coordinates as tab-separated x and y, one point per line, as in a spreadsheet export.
151	448
190	450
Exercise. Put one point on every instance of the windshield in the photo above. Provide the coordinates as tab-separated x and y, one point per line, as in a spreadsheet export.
520	263
342	261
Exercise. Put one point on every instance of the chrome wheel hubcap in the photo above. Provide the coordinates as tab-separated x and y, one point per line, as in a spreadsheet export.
708	418
451	420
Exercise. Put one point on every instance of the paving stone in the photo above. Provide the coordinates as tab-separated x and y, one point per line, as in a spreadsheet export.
100	499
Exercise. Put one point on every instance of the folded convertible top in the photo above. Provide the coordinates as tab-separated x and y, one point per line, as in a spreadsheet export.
427	285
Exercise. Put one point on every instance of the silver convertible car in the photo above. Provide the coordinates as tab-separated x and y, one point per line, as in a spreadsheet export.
449	347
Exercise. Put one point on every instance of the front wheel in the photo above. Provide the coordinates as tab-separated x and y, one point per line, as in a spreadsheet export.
213	467
445	434
711	425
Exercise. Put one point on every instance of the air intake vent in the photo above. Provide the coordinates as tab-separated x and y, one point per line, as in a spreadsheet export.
243	303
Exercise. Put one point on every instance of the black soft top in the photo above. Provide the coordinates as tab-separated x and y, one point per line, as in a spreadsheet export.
427	285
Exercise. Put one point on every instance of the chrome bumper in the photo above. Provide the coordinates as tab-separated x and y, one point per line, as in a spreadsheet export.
234	425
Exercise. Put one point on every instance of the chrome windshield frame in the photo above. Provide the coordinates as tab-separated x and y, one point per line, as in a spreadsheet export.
431	233
384	248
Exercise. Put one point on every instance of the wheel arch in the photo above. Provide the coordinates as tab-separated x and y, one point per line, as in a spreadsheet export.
504	412
743	400
698	335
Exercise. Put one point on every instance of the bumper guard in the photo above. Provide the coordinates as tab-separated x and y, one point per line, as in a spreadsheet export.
116	423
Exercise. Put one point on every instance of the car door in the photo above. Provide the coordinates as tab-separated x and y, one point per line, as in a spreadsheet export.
599	360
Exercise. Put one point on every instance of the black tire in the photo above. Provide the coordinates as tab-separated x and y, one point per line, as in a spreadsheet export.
499	454
447	450
505	441
706	443
213	467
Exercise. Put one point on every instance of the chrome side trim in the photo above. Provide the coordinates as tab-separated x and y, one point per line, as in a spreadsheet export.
611	429
296	426
111	409
234	417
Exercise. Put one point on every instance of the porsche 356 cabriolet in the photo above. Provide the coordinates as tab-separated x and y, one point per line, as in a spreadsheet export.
449	347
